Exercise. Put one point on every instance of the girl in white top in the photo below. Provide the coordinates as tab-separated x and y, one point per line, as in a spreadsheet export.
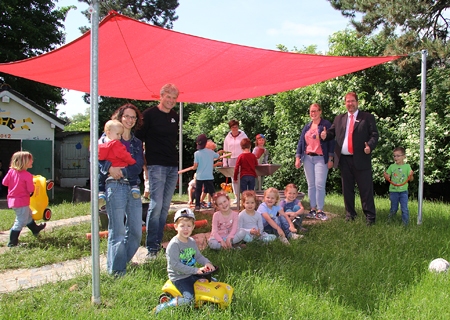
251	221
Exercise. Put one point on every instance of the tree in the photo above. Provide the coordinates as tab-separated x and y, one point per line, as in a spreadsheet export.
160	13
29	28
419	24
79	122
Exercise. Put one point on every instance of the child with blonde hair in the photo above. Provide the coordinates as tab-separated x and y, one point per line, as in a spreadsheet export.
251	221
114	151
20	185
225	222
293	207
276	220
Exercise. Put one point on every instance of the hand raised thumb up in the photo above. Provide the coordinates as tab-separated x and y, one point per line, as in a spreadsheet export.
323	134
367	148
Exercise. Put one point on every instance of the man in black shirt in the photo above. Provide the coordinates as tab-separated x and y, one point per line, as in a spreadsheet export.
160	135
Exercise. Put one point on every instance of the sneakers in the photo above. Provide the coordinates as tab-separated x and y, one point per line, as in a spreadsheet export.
311	214
295	236
101	200
297	222
151	256
135	192
284	240
321	216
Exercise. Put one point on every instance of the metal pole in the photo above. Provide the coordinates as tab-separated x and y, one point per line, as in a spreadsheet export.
180	154
95	239
422	132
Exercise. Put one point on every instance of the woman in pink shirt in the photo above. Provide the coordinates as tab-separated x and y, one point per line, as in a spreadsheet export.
316	156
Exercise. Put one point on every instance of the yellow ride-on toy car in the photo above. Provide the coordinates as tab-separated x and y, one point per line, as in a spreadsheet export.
39	198
206	288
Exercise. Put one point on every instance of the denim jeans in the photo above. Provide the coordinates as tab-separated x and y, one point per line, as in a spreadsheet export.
163	181
23	217
238	237
402	198
247	183
124	238
316	172
281	222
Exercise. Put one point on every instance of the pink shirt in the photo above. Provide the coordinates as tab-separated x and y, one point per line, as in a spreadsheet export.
313	141
224	226
20	186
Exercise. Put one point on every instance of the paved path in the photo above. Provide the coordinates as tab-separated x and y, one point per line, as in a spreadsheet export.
13	280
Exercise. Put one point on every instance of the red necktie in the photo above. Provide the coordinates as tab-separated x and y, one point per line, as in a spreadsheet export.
350	134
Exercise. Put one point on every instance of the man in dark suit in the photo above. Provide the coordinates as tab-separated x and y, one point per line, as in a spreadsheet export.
356	136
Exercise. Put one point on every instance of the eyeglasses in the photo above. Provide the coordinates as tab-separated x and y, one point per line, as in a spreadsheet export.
398	155
133	118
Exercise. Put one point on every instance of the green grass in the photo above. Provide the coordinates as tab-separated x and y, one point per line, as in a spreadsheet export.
339	270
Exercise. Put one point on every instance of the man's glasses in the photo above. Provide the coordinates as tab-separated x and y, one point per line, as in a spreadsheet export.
133	118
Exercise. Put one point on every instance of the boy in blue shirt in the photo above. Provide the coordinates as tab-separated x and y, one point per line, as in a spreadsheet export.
204	164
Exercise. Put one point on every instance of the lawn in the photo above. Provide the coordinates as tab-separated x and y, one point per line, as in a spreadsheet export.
339	270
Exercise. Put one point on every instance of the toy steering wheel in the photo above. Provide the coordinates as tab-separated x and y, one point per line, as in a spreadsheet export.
403	183
207	275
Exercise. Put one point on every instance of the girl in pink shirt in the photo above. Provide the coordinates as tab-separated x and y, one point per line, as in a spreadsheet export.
20	185
225	222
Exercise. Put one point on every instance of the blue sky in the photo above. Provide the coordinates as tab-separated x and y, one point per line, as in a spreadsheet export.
255	23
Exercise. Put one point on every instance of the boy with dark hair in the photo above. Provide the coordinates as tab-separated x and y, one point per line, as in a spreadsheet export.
204	163
246	165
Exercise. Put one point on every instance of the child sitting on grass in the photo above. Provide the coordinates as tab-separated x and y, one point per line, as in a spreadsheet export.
276	220
251	221
293	207
225	222
182	256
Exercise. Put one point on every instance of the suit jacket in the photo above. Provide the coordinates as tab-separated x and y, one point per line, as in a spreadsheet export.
364	130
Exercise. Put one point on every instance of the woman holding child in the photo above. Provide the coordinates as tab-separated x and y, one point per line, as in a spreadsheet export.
124	238
316	156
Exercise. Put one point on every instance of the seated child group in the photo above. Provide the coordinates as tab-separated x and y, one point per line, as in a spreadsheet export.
265	222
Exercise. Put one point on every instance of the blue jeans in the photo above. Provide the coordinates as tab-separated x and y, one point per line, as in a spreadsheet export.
402	198
316	172
281	222
23	217
247	183
163	181
124	238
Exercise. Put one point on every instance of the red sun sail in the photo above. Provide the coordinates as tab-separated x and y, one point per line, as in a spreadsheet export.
136	59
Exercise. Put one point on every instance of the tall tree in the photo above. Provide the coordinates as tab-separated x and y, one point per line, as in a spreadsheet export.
160	13
29	28
418	24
